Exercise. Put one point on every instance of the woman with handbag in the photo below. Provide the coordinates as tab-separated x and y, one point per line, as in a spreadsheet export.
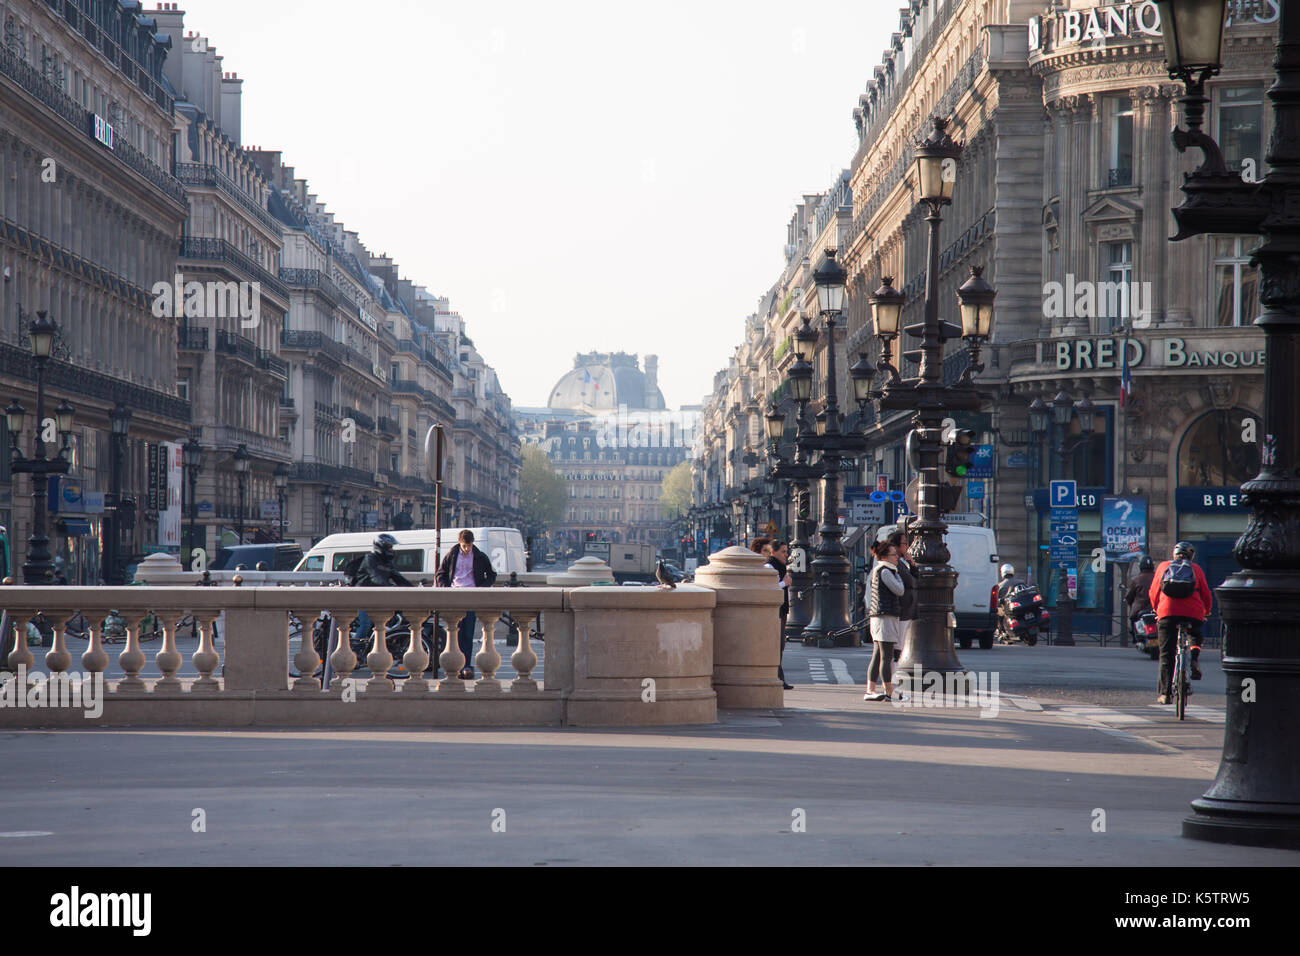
885	590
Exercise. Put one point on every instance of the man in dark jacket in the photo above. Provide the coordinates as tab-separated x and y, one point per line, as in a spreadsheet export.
375	570
466	566
1137	598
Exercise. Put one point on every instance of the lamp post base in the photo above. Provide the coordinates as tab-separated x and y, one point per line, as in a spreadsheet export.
929	646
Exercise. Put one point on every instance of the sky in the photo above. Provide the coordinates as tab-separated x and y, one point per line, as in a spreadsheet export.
573	176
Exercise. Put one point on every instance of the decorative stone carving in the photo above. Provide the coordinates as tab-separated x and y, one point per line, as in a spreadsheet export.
1219	392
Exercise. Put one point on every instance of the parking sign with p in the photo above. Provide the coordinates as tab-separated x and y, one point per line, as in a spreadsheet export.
1064	494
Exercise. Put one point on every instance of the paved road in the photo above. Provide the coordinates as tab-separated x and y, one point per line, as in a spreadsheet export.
826	780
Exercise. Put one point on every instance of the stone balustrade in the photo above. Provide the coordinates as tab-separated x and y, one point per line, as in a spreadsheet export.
612	655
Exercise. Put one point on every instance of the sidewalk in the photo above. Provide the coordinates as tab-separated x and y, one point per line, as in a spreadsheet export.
872	784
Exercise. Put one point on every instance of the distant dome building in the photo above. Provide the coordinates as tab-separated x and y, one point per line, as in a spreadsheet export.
602	381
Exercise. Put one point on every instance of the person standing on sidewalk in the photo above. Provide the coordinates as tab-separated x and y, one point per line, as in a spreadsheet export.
907	574
885	589
466	567
778	556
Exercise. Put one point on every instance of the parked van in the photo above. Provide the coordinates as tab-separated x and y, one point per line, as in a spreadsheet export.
414	554
975	558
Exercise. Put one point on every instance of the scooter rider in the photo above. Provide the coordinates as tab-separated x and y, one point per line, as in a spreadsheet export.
1005	587
376	570
1137	598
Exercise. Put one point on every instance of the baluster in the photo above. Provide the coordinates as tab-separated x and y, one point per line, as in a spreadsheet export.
380	659
206	659
168	659
416	658
57	658
487	659
343	660
21	654
95	660
306	660
451	658
524	659
132	658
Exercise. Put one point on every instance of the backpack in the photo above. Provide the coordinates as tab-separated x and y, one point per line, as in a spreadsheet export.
1179	580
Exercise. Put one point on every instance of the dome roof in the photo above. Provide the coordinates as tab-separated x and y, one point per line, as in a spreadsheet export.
604	381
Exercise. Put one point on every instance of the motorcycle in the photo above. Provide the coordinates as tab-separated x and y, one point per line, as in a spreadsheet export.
397	637
1145	635
1023	615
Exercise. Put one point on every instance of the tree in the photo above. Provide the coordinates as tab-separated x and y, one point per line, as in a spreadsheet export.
543	495
675	492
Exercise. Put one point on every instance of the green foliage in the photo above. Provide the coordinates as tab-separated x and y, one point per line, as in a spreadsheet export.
675	492
543	495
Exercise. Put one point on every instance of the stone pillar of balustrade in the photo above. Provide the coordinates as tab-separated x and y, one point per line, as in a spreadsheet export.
641	656
584	572
746	628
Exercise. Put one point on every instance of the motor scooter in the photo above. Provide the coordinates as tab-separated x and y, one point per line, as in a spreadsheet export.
1023	615
1145	633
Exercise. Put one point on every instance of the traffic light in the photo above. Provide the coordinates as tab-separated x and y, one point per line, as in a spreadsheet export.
959	452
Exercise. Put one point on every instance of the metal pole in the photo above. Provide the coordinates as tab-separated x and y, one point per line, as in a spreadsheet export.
38	569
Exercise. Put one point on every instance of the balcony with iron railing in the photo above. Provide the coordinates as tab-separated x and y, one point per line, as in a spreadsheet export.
37	85
325	410
312	279
200	174
272	363
389	427
218	250
190	338
317	343
1122	176
231	343
361	418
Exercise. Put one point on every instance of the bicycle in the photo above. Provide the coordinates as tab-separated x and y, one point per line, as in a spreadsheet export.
1182	687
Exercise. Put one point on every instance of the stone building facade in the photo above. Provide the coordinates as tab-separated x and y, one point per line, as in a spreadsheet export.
1062	196
90	215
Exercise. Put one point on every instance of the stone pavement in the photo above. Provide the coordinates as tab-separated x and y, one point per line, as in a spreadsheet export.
871	784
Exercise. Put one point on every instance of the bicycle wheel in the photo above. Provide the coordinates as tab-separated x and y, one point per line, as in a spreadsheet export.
1180	684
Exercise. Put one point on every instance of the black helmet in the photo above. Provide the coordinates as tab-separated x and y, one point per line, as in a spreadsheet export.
1146	564
384	544
1184	549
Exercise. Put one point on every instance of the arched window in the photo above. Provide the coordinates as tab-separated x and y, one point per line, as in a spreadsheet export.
1215	452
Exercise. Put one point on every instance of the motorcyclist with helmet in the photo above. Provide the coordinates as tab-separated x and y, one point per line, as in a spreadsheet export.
1006	585
1174	611
1137	598
375	570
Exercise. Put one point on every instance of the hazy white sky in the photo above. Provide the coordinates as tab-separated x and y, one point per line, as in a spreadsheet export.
573	175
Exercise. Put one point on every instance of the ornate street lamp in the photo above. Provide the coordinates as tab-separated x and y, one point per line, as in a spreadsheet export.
1038	416
38	568
281	483
1255	798
242	467
930	642
327	499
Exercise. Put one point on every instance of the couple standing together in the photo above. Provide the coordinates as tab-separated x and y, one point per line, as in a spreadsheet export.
891	605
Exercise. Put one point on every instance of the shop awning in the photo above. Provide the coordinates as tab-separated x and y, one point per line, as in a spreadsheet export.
75	526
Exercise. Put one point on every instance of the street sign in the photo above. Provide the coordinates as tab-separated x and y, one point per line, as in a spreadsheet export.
981	462
865	511
1017	459
1063	494
965	517
974	490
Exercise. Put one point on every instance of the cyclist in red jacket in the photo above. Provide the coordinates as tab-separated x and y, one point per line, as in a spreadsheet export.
1171	612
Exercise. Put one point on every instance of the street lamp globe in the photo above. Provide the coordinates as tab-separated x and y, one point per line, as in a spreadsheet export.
15	416
63	418
936	164
821	422
242	463
41	334
281	476
775	420
862	372
1038	414
976	298
800	377
830	279
119	418
1193	34
192	455
1062	409
327	497
887	309
804	340
1085	410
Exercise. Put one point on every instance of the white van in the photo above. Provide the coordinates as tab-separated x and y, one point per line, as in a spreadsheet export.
414	554
975	558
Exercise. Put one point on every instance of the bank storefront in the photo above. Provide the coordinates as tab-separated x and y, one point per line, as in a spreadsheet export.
1178	447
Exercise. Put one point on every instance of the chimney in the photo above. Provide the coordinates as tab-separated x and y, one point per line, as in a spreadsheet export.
232	89
651	382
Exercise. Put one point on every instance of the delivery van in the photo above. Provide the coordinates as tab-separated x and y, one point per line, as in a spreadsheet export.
415	554
975	559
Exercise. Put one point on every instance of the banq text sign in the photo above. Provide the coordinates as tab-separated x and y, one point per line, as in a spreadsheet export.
1129	20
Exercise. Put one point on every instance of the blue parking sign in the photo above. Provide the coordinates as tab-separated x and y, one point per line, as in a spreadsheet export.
1063	494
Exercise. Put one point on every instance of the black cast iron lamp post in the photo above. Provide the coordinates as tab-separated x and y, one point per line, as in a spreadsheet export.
192	459
929	647
1255	798
281	483
38	568
830	568
327	500
242	466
